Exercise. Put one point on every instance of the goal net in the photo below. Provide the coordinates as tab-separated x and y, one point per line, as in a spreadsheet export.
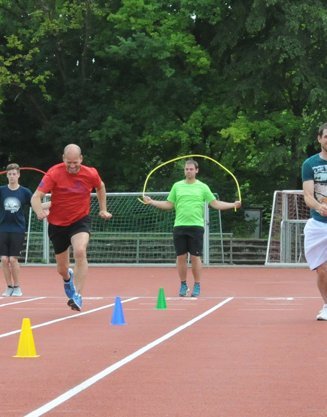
137	233
288	218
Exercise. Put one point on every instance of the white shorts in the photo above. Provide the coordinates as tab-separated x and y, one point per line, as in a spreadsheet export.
315	243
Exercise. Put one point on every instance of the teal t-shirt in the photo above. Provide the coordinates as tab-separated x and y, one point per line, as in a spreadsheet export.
189	200
315	168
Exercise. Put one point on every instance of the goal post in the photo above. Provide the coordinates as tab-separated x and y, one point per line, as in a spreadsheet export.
136	234
286	238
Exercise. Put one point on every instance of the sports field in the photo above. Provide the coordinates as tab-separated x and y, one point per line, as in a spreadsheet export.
248	347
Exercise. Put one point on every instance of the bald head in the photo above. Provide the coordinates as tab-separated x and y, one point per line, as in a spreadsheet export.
72	158
72	149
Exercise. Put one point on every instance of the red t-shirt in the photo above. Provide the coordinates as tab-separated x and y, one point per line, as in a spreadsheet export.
70	193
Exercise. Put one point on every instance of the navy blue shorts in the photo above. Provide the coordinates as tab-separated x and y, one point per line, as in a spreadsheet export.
60	236
11	244
188	239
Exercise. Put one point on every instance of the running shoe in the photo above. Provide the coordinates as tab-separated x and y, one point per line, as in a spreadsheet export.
322	315
69	285
196	290
75	303
17	292
184	289
8	291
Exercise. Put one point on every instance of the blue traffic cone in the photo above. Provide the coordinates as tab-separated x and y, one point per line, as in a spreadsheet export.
118	314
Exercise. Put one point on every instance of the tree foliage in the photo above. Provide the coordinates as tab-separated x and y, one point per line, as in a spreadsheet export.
138	82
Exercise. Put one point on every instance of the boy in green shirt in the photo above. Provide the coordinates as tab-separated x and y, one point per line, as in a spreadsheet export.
188	197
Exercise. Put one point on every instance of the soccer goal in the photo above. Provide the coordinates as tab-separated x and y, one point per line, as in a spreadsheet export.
286	240
137	233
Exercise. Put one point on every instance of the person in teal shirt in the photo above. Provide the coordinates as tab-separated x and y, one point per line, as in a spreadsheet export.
188	198
314	182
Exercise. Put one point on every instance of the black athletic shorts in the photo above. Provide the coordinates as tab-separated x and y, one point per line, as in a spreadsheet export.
188	239
60	236
11	244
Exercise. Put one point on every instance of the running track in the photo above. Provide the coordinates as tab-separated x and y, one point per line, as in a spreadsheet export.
248	347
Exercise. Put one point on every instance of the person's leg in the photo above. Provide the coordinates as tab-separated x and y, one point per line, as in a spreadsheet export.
181	263
180	244
62	260
6	270
7	275
15	243
195	245
196	268
75	300
322	281
79	243
5	263
322	287
15	270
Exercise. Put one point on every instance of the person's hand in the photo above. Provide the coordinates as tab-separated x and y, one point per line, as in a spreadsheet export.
322	210
147	199
105	214
237	204
46	212
43	214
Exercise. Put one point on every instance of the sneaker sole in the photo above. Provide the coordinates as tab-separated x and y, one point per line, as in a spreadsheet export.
71	303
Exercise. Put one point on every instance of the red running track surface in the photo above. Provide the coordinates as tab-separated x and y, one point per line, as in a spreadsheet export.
248	347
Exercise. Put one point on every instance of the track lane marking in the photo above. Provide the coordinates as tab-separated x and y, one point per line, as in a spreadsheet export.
110	369
84	313
22	301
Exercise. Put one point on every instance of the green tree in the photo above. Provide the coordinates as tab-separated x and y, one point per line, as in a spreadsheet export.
138	82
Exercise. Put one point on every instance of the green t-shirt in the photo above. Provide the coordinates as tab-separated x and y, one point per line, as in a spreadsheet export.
189	200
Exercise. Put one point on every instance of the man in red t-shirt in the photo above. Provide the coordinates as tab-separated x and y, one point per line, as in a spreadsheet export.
70	184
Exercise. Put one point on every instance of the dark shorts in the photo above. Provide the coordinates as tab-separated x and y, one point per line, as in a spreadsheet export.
11	244
188	239
60	236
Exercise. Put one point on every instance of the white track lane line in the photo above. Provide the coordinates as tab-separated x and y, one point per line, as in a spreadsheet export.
22	301
107	371
48	323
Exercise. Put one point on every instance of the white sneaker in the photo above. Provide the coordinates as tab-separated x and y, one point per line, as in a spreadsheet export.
8	292
17	292
322	315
